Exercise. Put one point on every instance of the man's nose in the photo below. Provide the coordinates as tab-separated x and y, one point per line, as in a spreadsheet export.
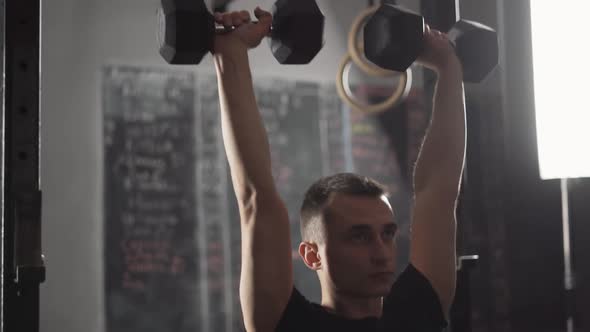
382	251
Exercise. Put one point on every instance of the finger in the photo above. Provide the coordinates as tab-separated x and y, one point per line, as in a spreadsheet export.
245	15
218	18
262	14
236	18
227	20
436	34
264	20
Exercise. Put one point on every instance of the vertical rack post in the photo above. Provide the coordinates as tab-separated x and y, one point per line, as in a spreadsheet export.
22	265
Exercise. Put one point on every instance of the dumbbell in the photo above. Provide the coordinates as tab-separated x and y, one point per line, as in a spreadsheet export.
187	29
394	38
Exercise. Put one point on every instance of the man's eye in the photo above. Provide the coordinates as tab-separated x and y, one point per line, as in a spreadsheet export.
390	233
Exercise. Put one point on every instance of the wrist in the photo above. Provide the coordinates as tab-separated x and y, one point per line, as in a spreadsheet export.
451	66
230	51
230	58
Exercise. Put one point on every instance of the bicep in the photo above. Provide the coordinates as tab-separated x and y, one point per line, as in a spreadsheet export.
266	279
432	247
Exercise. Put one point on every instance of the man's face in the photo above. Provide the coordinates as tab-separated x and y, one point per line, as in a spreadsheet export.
359	251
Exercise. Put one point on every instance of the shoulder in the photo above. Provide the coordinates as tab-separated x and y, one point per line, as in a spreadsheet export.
296	316
413	301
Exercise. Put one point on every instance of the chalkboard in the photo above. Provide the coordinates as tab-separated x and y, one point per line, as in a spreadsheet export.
149	198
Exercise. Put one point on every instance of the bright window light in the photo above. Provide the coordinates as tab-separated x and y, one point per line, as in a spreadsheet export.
562	86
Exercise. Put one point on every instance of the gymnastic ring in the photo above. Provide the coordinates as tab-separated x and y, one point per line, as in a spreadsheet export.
343	88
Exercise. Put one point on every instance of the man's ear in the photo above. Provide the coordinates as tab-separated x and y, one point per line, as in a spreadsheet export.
310	255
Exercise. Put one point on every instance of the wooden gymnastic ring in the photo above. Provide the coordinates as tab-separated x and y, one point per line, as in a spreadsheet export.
401	92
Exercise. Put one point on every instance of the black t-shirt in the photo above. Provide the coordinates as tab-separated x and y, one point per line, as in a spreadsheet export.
411	306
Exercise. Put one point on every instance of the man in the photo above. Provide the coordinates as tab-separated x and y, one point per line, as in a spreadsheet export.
347	224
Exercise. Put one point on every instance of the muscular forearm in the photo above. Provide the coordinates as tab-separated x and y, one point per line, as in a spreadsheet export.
244	135
441	158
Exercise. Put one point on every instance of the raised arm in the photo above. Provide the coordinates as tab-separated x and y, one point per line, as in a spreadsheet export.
266	278
438	173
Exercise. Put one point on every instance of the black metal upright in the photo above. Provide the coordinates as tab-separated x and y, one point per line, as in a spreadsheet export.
22	269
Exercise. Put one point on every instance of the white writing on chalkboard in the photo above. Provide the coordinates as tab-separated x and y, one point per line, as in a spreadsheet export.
151	250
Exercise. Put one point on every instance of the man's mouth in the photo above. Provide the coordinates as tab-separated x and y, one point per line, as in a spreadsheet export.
384	274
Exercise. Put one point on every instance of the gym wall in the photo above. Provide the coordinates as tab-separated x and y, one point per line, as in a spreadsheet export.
79	38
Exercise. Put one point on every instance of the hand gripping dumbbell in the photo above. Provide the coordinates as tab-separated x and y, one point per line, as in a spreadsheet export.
394	38
187	30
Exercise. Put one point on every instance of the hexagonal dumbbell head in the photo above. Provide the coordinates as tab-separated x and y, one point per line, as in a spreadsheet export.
297	33
477	48
394	37
186	31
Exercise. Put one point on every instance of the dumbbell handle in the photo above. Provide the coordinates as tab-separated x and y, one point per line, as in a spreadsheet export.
221	29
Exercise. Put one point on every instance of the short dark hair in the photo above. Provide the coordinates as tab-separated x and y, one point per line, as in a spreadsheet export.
318	194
